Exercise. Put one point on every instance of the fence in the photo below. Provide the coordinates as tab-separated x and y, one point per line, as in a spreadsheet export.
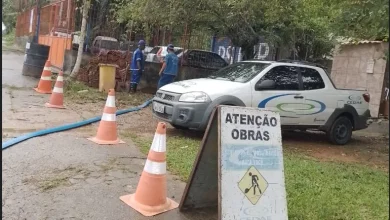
56	25
54	18
58	45
25	23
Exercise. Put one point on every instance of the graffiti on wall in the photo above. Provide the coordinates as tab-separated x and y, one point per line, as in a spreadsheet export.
262	51
223	46
230	54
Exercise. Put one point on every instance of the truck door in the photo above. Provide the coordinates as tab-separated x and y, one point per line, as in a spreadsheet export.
284	98
315	93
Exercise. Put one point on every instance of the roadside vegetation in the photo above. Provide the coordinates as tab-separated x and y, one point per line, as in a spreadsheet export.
78	92
315	190
308	28
9	38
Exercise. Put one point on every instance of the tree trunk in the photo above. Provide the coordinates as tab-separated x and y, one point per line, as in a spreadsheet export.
86	6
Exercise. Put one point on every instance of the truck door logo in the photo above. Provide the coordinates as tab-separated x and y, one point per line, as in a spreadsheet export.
309	107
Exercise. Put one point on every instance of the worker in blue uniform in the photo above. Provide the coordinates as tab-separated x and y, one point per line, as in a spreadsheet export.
169	68
137	66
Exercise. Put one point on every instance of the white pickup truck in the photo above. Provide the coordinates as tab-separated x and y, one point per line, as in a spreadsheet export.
302	93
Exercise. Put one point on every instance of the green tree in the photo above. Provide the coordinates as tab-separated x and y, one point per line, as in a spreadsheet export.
11	8
283	23
9	14
300	25
362	19
306	27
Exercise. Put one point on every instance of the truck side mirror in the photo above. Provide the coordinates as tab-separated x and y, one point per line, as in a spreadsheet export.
265	85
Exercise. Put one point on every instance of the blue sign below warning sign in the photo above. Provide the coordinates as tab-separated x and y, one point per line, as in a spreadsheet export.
240	157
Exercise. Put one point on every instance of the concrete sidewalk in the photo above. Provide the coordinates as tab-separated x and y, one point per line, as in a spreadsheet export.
63	175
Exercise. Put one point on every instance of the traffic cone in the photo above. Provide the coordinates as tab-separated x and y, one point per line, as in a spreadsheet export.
150	198
44	85
57	97
107	131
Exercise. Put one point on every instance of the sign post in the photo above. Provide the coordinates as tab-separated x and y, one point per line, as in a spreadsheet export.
36	34
239	168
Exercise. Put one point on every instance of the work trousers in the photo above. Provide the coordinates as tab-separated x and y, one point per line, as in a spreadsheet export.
165	79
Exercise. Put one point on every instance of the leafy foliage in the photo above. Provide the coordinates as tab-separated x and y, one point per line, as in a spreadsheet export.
8	14
363	19
306	27
11	8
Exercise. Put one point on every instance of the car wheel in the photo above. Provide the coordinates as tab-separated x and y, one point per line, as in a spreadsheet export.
341	131
179	127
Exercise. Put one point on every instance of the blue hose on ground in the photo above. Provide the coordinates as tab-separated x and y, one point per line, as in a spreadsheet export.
24	137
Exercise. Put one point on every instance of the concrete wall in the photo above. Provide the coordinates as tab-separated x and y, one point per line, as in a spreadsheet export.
21	41
70	60
349	70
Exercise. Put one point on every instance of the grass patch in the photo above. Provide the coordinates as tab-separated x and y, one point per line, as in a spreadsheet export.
180	153
9	38
24	130
12	87
57	179
112	163
315	190
115	164
324	190
53	183
79	92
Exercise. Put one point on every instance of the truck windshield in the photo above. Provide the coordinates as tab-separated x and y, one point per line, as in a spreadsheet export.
239	72
154	50
109	45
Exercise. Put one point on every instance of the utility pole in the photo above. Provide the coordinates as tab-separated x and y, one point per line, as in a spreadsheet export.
36	35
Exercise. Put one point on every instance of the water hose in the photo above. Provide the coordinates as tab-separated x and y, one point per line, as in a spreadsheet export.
24	137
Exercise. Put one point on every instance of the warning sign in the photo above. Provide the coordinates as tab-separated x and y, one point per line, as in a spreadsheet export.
239	167
253	185
252	157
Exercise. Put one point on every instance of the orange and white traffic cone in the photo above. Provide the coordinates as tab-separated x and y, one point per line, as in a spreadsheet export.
107	132
150	198
44	85
57	97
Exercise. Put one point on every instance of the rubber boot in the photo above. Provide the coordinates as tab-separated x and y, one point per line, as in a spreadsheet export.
130	88
135	88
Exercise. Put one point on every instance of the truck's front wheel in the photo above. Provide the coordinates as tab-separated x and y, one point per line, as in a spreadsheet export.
341	131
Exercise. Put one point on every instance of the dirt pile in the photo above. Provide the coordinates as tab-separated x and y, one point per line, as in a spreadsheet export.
89	74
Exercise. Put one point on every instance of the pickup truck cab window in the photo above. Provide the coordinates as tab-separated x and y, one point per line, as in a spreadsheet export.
311	79
285	77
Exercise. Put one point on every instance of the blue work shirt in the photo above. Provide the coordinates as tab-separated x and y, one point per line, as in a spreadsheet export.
137	56
172	64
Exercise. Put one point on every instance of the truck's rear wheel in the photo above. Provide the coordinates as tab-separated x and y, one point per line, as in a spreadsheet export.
179	127
341	131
